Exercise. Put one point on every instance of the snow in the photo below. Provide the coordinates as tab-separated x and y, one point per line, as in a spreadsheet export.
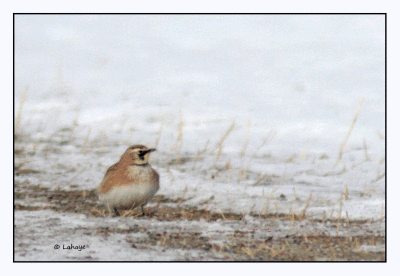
289	85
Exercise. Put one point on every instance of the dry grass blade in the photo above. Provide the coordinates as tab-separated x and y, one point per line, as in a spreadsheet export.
223	138
74	124
366	151
158	136
346	192
21	104
84	146
248	251
350	131
242	173
179	139
75	176
101	213
221	141
220	211
303	212
243	152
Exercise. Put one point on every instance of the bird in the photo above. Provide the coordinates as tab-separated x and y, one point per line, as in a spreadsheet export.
131	182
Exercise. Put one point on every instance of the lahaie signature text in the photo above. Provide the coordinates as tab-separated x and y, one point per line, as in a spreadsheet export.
76	247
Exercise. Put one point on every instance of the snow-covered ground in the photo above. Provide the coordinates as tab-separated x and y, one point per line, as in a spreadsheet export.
248	113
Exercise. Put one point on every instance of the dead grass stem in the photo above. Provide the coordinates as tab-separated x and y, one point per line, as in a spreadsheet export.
85	142
350	131
243	151
346	192
219	145
159	135
74	124
269	137
303	212
21	105
179	139
366	150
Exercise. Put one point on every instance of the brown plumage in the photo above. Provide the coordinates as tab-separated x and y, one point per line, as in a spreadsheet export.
131	182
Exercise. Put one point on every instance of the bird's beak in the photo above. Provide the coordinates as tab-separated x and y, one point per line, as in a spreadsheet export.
151	150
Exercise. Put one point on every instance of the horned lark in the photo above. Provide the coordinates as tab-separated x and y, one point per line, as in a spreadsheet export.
131	182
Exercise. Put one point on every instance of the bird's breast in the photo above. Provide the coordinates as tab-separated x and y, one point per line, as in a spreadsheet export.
142	174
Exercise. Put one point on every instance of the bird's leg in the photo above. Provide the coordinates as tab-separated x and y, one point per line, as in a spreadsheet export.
143	214
116	212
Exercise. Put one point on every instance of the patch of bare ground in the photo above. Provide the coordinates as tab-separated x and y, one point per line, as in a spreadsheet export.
299	248
238	245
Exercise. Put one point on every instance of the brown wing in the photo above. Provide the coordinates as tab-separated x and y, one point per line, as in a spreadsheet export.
114	176
112	168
